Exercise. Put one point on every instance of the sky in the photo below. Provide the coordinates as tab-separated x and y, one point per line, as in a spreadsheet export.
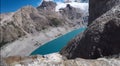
13	5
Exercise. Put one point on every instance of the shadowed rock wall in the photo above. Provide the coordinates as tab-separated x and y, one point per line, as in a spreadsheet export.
99	7
101	38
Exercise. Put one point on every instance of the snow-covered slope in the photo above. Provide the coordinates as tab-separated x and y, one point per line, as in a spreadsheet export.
82	6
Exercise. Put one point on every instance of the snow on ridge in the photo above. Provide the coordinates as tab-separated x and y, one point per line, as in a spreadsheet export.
82	6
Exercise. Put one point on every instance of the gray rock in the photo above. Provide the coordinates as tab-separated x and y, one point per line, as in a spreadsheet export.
26	20
101	38
30	20
48	61
74	16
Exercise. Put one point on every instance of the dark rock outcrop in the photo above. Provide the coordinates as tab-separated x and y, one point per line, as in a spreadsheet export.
101	38
99	7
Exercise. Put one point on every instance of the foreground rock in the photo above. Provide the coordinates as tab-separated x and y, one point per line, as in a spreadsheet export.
101	38
56	59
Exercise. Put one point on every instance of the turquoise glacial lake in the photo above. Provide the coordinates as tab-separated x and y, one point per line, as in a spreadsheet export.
57	44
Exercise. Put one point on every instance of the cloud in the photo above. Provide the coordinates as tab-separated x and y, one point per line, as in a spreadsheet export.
82	6
60	4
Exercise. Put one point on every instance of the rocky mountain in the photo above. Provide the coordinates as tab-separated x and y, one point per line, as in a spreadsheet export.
24	21
23	31
30	20
100	39
47	5
73	15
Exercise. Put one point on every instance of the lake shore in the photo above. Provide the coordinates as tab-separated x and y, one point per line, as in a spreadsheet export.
27	44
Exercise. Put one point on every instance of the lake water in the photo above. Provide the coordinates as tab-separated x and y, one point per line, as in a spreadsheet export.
57	44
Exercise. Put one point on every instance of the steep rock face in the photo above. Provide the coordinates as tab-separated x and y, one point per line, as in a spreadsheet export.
101	38
99	7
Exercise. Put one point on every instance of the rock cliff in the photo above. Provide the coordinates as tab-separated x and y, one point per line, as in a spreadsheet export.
99	7
101	38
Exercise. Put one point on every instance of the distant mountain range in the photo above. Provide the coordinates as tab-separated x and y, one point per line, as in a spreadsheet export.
29	20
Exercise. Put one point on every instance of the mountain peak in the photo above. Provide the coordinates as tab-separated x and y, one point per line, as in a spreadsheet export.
47	5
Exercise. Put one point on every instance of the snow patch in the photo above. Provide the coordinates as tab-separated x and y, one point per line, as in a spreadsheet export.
54	57
82	6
